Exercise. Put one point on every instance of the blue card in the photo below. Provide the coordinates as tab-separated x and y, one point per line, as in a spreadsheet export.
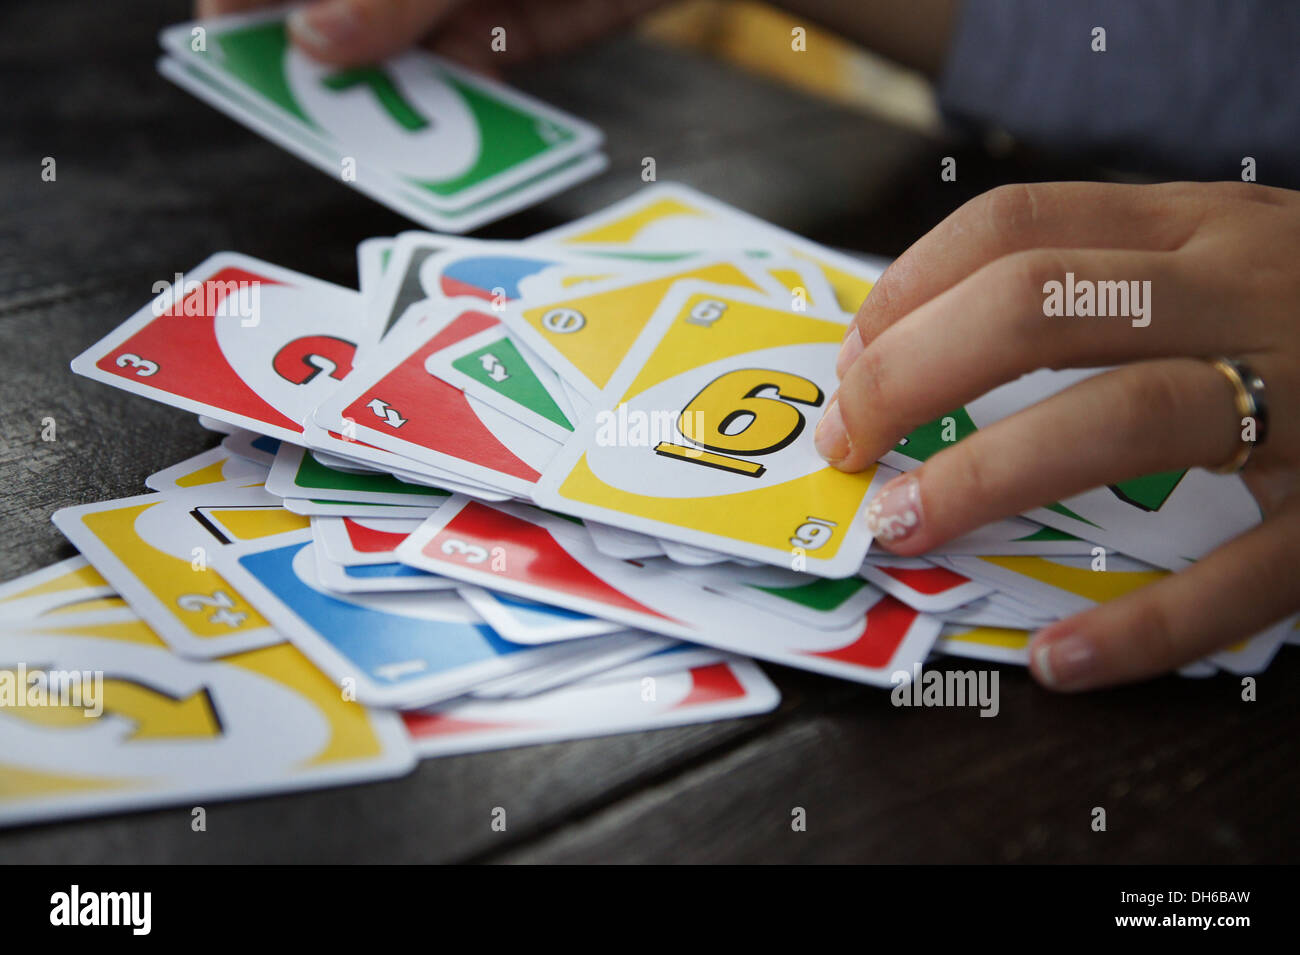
389	649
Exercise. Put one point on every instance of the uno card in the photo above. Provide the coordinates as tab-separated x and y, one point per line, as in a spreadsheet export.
587	659
401	649
68	582
1254	654
586	335
213	467
703	437
373	256
530	554
1165	519
87	605
692	556
399	287
997	614
595	708
503	272
994	644
252	446
313	508
679	656
672	216
490	367
299	473
811	601
391	577
441	139
807	288
212	424
402	407
1016	536
248	343
340	452
921	584
158	728
527	621
355	541
1064	585
623	544
427	268
156	550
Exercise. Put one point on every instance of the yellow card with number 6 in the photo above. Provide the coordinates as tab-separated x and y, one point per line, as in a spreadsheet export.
705	435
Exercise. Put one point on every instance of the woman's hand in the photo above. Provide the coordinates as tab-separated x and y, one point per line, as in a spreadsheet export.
962	311
352	32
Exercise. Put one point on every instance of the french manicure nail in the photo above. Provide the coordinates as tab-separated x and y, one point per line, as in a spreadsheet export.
1066	663
830	438
895	513
324	25
849	351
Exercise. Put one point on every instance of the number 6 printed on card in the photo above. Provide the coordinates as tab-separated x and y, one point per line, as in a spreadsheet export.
746	413
733	379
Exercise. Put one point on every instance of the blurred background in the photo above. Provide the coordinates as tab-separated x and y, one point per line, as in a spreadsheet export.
737	30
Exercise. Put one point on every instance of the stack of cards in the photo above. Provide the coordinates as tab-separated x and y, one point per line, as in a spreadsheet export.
448	148
512	492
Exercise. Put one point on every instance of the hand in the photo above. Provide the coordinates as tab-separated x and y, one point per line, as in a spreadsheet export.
352	32
962	311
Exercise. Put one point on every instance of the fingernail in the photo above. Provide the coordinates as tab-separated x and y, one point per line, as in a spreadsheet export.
895	513
830	438
324	25
849	351
1064	663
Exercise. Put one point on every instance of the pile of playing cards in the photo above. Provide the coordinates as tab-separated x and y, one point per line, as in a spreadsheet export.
449	148
512	492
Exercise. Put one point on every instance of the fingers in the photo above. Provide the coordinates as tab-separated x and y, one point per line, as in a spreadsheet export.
1001	323
1235	592
1017	218
1141	419
354	32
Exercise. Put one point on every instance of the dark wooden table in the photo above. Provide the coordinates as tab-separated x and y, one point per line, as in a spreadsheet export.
150	182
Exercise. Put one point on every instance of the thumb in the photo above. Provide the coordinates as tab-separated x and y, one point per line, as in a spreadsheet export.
353	32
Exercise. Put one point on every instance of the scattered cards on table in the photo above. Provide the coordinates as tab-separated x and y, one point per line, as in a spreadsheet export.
508	493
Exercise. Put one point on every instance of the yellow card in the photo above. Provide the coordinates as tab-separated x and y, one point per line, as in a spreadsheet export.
585	337
59	585
212	467
97	714
673	216
704	435
1062	584
997	644
156	549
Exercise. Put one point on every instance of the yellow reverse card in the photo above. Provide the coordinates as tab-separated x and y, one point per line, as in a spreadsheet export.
97	714
584	337
156	549
704	435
